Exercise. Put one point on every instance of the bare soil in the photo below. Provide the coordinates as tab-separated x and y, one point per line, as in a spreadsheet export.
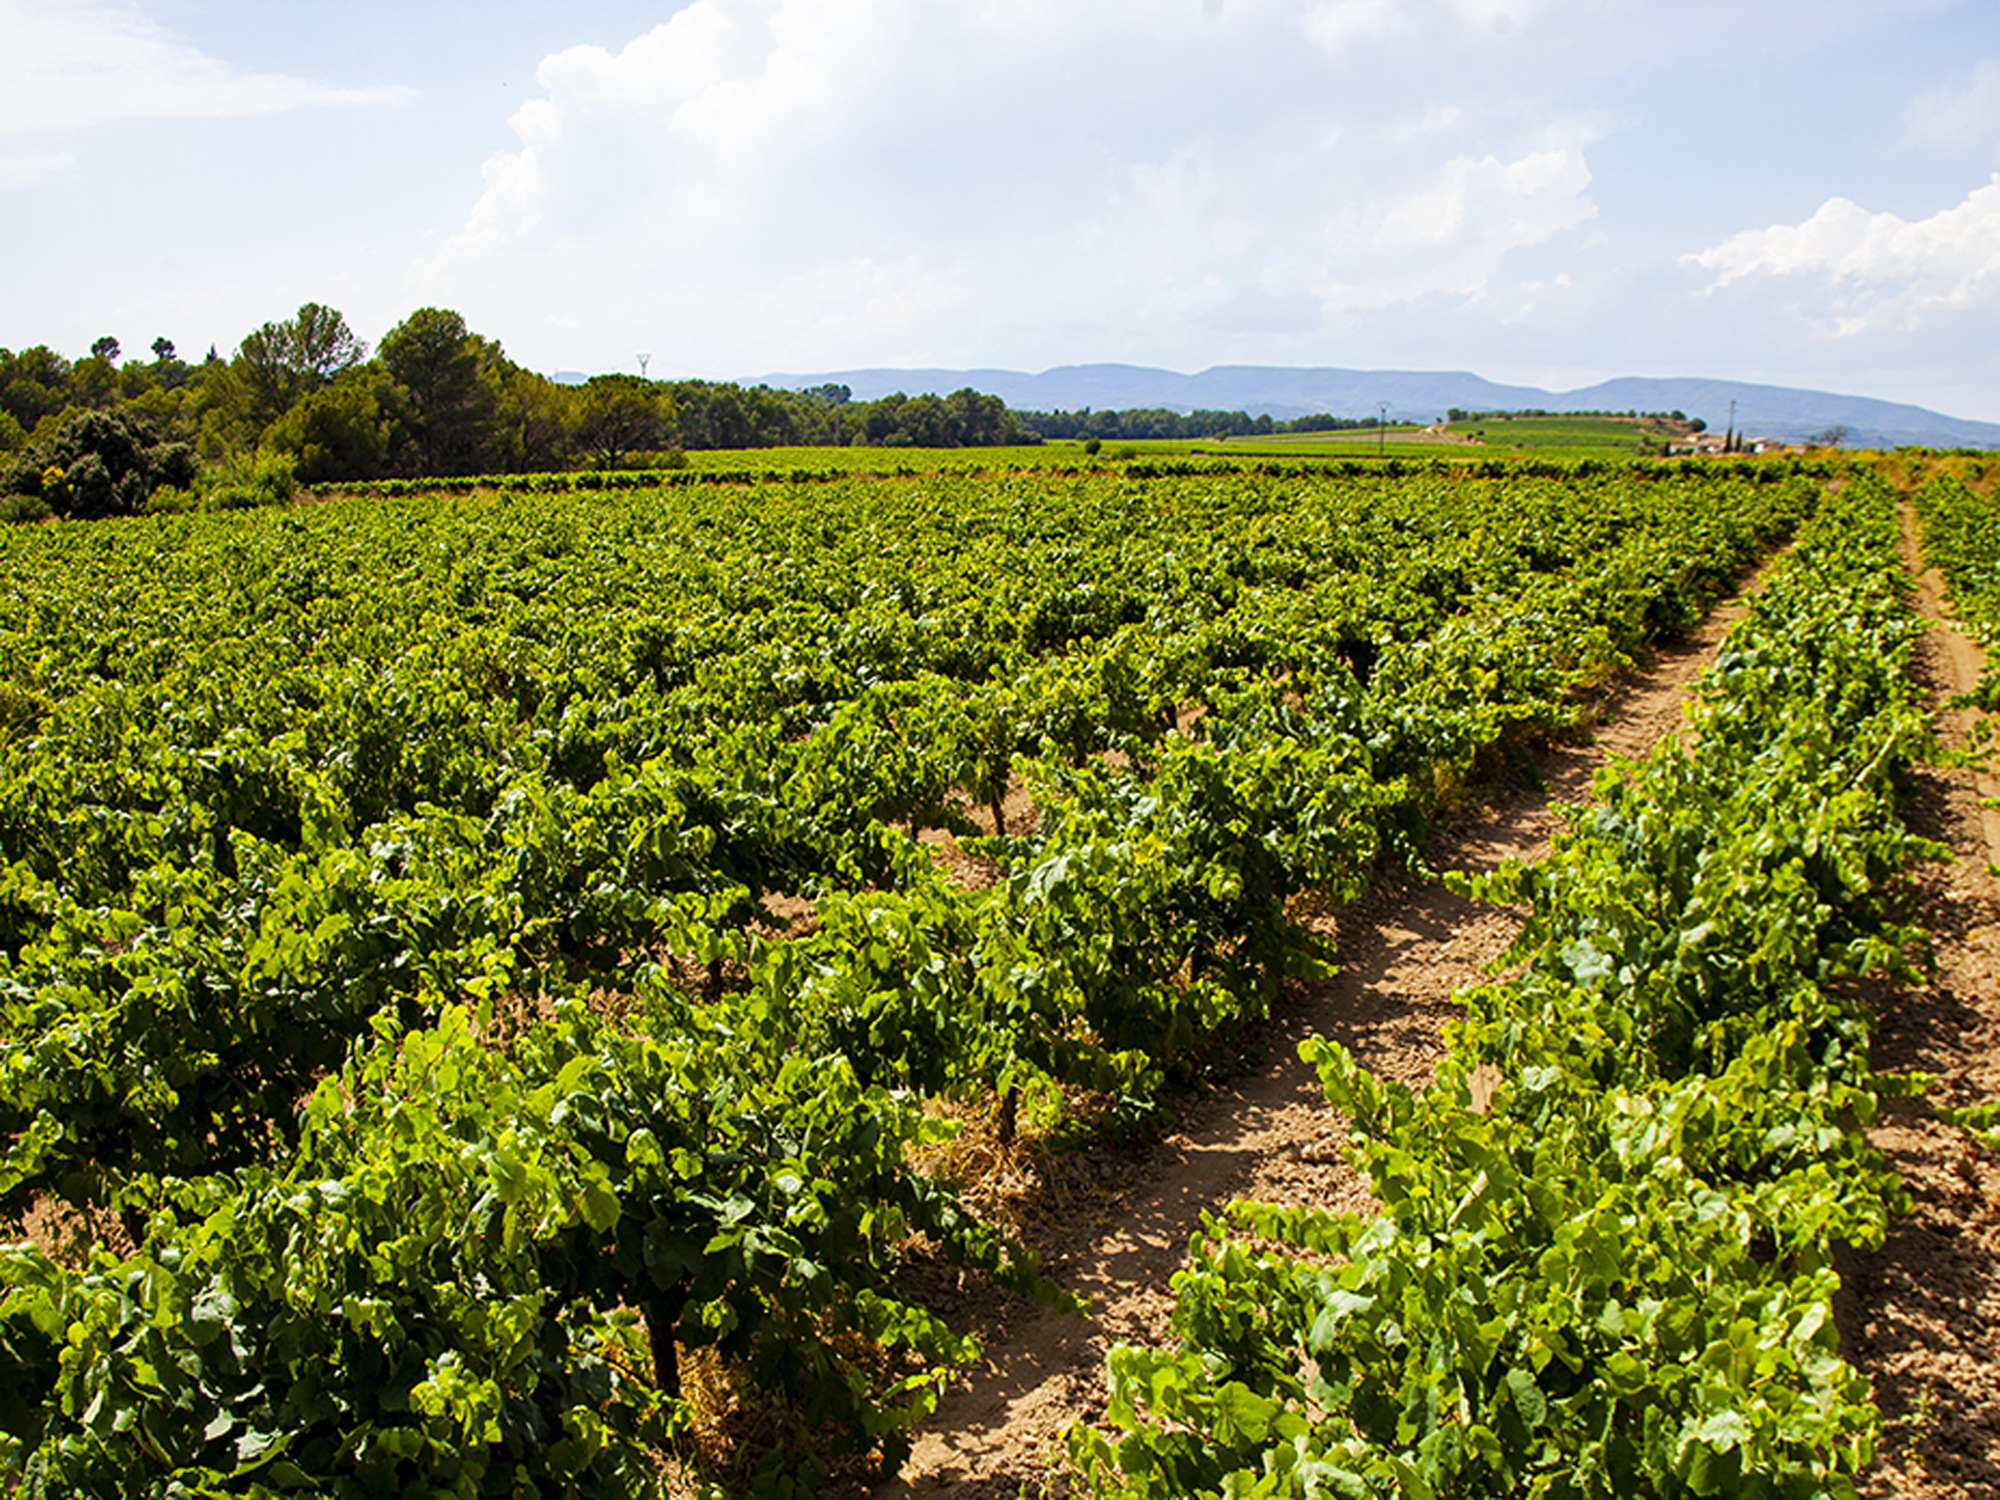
1405	949
1920	1316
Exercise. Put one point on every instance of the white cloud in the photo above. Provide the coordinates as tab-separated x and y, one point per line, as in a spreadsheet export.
1495	204
88	62
1451	236
699	112
832	308
1497	16
1346	24
1963	113
21	169
515	187
1117	172
1876	270
759	184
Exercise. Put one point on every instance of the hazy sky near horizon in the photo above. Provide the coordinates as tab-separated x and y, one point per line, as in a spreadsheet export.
1554	192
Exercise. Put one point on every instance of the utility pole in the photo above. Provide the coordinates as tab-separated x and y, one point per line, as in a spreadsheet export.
1381	429
644	360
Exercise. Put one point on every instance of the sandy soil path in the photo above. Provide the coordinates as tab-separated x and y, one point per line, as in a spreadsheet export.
1922	1318
1405	948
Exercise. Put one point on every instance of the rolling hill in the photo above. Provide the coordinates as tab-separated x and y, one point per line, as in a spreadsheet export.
1761	410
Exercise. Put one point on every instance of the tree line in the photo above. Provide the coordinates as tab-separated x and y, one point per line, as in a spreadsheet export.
1676	417
1162	422
305	400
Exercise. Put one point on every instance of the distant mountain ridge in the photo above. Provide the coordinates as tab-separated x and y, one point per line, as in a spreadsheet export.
1286	391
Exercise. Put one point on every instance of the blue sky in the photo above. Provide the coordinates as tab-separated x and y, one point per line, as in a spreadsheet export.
1546	191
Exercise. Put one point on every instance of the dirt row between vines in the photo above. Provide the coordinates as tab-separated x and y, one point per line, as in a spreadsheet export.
1121	1220
1920	1317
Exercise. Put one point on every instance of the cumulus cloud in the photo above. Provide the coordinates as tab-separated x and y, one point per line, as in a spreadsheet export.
1491	203
700	113
1447	234
1107	170
1875	270
70	64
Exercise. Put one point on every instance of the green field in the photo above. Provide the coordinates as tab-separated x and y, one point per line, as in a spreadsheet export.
1615	1276
1543	437
1559	437
884	460
1569	435
465	948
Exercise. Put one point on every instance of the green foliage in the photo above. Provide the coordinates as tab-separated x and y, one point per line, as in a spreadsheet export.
568	715
342	431
281	362
435	1294
1613	1279
1961	539
90	464
448	376
1981	1122
441	400
34	384
622	414
1158	422
247	480
964	419
172	500
332	836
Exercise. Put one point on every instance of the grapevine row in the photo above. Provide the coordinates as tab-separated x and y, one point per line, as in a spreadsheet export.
1960	531
388	892
1614	1279
1961	538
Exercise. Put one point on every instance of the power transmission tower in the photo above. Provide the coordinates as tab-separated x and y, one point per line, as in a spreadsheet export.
644	360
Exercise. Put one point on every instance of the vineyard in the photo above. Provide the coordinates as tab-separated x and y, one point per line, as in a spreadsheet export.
1615	1276
469	956
1961	540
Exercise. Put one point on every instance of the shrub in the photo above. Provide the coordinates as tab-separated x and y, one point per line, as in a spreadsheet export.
249	480
98	463
172	500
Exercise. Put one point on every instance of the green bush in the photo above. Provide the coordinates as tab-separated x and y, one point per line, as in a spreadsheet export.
172	500
249	480
98	463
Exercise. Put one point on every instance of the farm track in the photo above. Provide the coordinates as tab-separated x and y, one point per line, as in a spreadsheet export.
1405	948
1922	1315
